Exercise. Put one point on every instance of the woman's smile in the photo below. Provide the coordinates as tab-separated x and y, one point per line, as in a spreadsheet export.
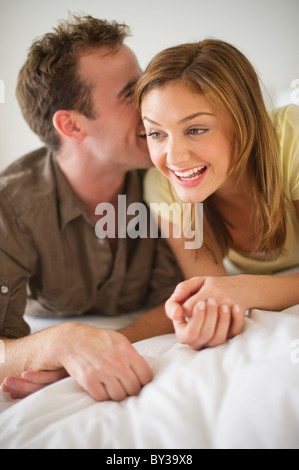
191	177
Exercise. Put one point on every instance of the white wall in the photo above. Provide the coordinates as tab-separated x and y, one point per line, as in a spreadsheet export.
265	30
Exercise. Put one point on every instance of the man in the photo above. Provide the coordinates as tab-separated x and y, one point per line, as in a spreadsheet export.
75	93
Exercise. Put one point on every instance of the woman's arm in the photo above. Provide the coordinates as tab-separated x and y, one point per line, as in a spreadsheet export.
207	280
198	262
213	318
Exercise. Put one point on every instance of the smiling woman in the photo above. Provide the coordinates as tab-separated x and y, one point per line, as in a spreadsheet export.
213	141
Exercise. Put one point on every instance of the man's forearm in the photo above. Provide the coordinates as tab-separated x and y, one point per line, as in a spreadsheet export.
152	323
35	352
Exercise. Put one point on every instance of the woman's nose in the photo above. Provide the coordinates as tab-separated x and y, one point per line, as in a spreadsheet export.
177	153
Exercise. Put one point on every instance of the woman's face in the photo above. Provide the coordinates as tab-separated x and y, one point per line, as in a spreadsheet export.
190	140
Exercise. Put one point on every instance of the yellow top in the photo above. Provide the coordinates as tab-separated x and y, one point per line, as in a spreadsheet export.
286	123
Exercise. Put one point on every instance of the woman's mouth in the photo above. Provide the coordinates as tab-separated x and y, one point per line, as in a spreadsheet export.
191	177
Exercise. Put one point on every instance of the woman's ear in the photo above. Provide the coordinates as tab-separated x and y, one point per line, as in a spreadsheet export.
67	124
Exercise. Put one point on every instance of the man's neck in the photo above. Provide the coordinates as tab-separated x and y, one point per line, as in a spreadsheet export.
92	184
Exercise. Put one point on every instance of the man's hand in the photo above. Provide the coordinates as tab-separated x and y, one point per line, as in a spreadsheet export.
204	311
31	381
104	364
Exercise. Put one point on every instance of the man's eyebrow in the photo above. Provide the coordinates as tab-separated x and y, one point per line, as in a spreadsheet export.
187	118
128	87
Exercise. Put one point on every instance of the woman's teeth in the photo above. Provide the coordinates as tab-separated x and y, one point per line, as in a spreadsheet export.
190	175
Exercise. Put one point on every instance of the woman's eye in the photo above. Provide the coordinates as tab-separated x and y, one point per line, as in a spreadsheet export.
196	131
154	135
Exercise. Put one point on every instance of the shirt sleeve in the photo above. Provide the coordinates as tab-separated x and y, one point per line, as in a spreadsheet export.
166	274
286	122
293	147
14	274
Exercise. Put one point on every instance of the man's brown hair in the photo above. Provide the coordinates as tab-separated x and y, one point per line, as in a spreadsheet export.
49	81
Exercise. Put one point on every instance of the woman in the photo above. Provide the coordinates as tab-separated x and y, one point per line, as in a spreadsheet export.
212	140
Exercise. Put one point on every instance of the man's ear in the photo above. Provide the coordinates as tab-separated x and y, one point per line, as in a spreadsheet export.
67	124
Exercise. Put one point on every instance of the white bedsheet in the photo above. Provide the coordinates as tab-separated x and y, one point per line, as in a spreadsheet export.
243	394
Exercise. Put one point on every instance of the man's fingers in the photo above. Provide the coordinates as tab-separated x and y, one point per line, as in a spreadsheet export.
97	391
141	369
17	386
186	289
44	377
113	376
174	310
31	382
188	329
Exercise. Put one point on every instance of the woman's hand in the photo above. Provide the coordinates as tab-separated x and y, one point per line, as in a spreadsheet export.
205	311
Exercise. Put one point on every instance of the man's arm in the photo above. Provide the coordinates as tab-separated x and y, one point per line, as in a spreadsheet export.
103	363
28	370
152	323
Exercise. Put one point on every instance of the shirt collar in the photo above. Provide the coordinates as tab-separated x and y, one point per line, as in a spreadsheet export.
69	204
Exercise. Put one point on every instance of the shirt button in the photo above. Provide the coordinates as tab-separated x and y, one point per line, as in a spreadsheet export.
4	290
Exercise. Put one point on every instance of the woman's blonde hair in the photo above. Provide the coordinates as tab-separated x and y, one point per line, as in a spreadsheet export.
229	81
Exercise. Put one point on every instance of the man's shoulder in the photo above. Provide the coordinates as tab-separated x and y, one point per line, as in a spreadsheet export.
29	181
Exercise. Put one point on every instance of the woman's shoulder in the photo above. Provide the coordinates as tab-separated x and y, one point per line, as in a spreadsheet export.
286	124
154	177
158	189
286	119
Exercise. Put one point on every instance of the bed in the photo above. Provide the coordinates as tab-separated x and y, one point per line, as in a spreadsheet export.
243	394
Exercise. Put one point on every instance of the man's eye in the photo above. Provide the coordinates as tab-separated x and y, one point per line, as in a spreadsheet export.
154	135
129	94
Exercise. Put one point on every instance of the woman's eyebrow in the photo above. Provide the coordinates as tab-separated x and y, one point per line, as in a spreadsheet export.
192	116
145	118
188	118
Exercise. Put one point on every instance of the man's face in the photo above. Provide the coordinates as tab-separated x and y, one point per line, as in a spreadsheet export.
116	137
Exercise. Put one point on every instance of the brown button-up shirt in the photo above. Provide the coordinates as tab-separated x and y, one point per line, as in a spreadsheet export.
49	252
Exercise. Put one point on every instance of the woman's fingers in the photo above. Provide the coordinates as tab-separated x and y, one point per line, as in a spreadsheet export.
208	324
237	322
222	328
